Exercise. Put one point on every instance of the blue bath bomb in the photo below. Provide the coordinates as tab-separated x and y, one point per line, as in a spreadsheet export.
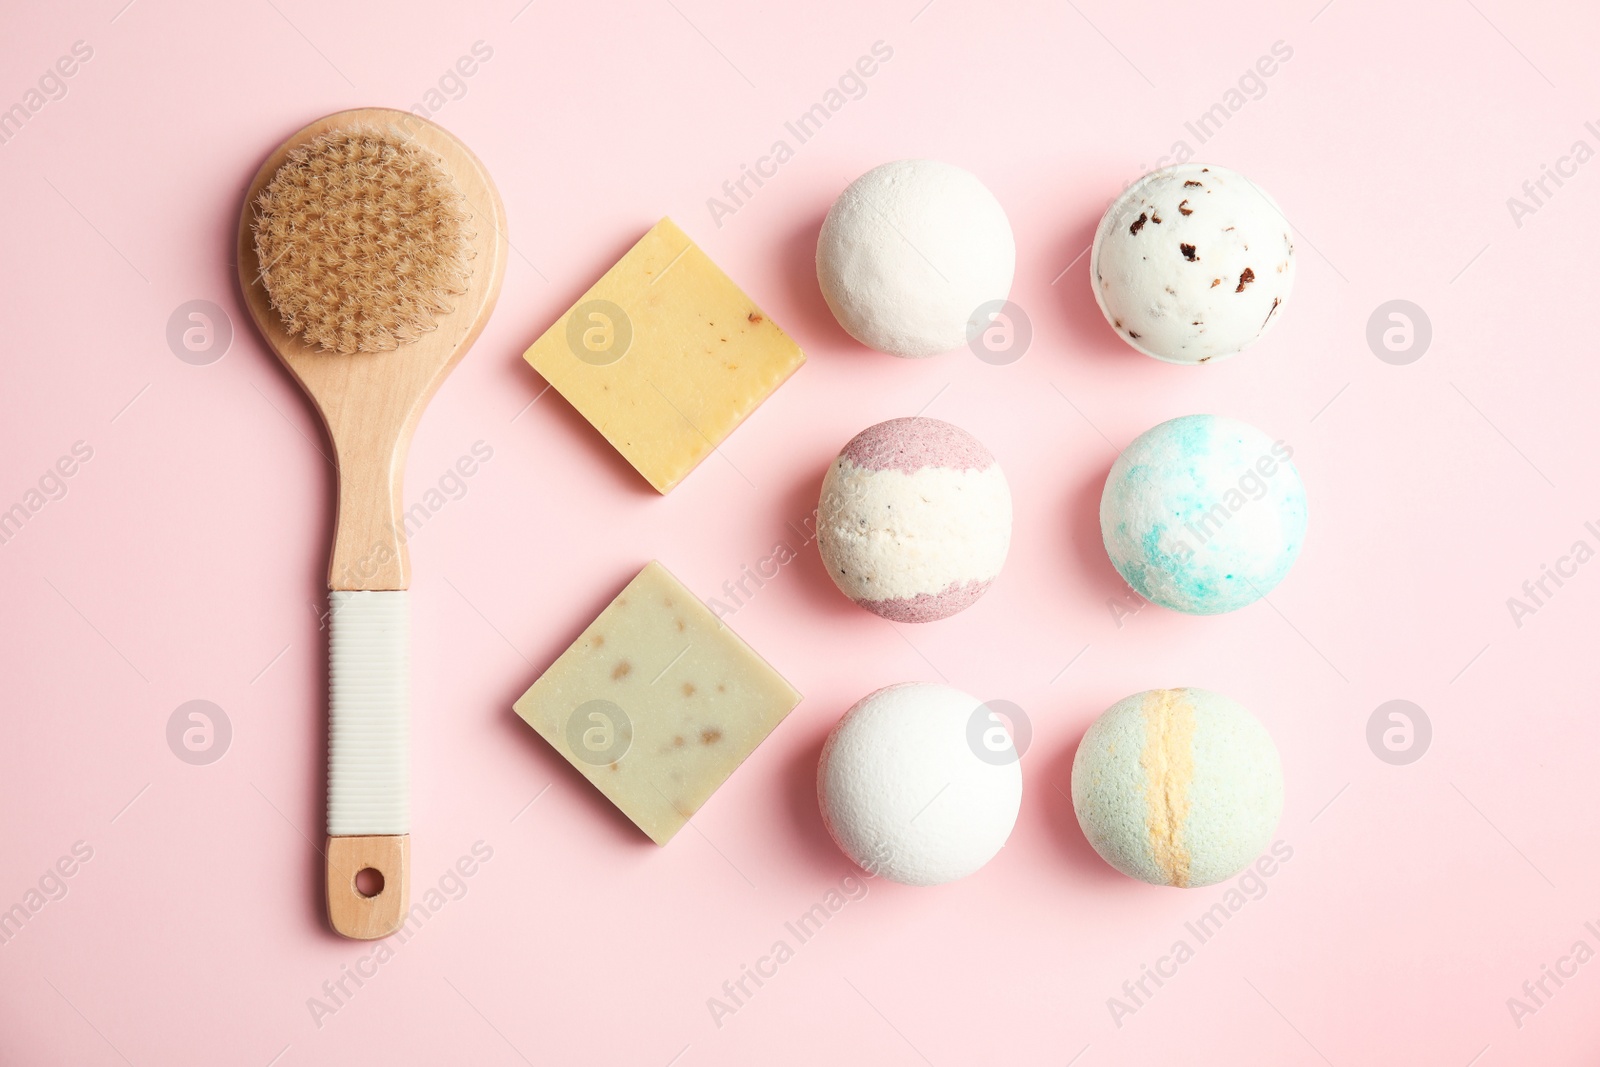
1179	787
1203	514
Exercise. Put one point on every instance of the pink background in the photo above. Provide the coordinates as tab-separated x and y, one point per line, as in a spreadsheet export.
186	559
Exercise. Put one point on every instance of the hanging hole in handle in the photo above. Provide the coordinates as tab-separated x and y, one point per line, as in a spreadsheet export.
369	881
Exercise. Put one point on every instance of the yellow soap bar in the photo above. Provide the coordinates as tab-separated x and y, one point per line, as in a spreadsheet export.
657	703
665	356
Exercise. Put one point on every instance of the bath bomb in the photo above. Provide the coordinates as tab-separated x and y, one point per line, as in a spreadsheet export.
904	791
1177	787
914	520
1192	263
910	255
1203	514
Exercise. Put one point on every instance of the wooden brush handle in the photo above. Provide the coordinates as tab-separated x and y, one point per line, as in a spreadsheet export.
369	541
350	911
371	432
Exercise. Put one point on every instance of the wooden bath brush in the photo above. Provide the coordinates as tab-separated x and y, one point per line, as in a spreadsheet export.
371	250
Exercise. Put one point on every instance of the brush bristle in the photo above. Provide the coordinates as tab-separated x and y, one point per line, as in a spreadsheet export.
362	238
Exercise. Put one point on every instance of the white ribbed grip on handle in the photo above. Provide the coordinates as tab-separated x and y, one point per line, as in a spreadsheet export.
369	704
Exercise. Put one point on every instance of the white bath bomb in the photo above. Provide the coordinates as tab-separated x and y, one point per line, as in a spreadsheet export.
905	792
1178	787
915	519
1192	263
911	253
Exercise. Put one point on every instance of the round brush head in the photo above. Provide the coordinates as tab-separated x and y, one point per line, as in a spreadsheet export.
362	239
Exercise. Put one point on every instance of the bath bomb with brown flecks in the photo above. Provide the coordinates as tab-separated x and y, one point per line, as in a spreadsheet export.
1192	263
1179	787
915	519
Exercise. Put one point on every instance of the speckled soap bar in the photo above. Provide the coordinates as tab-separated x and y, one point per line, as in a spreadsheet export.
665	355
657	703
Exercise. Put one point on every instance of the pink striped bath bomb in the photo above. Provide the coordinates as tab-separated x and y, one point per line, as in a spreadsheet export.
915	519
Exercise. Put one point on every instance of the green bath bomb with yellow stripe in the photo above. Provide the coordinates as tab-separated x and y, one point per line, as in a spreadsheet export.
1178	787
